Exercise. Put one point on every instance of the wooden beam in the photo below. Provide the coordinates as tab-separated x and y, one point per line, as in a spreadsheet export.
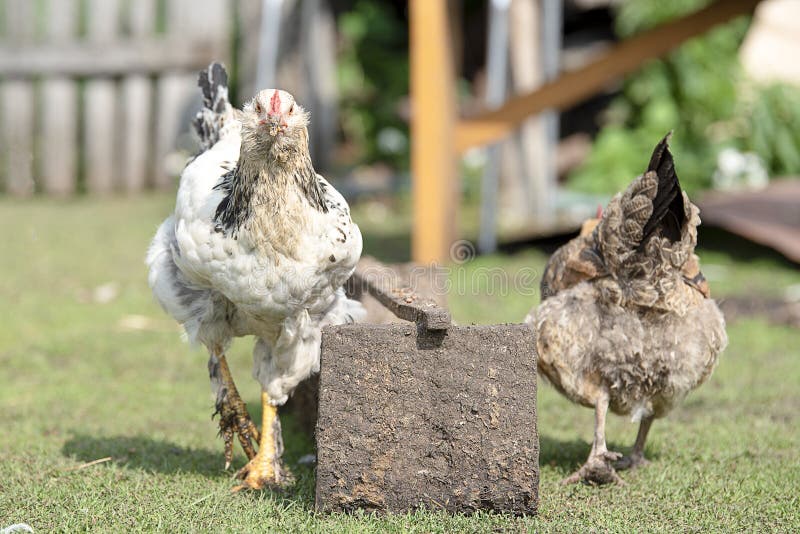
58	158
572	87
139	56
137	116
17	105
381	281
101	127
433	161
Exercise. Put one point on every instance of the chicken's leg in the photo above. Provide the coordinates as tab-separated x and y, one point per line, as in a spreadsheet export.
233	415
636	458
266	468
598	468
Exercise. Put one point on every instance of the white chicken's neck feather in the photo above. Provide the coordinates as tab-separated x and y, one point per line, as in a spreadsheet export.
264	176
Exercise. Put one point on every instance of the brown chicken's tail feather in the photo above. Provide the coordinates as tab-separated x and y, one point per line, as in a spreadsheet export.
669	213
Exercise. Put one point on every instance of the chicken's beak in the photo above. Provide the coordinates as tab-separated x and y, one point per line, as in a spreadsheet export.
276	123
275	119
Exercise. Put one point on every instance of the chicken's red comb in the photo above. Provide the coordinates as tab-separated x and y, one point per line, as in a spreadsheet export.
599	211
275	103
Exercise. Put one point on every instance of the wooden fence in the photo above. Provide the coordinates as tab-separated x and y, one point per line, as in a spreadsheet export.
93	93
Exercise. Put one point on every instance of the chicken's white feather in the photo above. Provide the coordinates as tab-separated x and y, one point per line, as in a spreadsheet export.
279	278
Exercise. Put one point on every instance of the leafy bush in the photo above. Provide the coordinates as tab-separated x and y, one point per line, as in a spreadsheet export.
769	125
692	91
373	79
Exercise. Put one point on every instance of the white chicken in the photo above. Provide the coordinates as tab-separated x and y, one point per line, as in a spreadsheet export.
260	245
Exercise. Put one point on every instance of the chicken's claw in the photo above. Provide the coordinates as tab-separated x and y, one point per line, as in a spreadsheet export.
233	415
597	470
234	419
255	477
631	462
266	469
227	437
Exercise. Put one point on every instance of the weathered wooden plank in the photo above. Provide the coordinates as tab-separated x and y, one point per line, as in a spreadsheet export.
145	55
410	418
58	155
574	86
273	38
401	299
173	91
136	114
100	104
190	19
496	88
770	216
17	105
18	120
433	164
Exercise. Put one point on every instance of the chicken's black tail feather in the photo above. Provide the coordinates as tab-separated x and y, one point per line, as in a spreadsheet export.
669	213
213	81
211	120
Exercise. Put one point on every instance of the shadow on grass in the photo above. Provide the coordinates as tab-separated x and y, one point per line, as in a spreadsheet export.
564	455
163	457
567	456
147	454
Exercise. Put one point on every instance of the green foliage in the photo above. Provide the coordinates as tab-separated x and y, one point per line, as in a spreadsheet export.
642	15
769	125
373	79
690	91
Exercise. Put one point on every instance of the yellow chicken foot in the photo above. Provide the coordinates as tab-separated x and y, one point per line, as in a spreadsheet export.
636	458
599	468
266	469
233	415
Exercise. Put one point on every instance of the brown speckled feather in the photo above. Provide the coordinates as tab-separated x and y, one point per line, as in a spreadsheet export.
575	262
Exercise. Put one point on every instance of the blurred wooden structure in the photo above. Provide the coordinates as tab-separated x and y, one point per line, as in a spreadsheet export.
439	136
94	92
94	99
770	216
96	95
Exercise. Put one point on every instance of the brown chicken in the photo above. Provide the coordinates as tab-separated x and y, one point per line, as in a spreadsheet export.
626	321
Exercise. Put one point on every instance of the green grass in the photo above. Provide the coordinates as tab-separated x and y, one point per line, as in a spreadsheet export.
83	380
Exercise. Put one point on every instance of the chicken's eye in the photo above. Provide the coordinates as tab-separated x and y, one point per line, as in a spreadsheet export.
291	109
259	109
